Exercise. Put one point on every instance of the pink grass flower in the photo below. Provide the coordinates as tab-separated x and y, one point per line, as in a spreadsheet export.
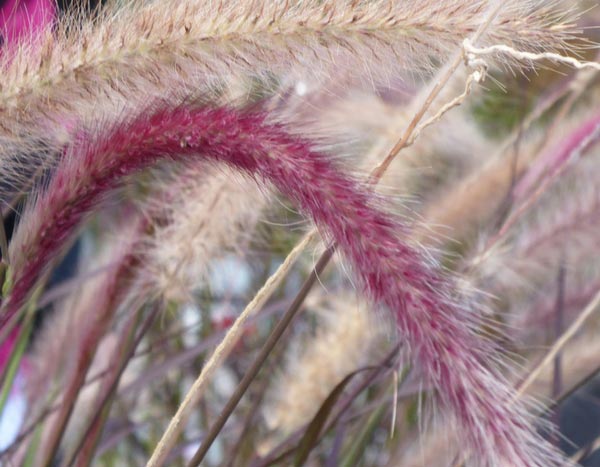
430	315
552	161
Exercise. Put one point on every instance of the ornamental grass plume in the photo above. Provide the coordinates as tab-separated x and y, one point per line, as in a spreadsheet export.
96	104
157	50
474	201
22	23
345	339
558	230
191	230
436	446
363	126
436	323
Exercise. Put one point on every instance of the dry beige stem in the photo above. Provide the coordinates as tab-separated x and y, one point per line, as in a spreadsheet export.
579	358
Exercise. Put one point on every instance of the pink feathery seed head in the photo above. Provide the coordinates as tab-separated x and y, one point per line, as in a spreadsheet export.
554	158
20	19
392	272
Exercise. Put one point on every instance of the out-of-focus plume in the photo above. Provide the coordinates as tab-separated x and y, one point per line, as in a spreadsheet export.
344	341
206	213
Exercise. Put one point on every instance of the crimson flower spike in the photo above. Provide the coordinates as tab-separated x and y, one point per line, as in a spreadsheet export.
430	312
